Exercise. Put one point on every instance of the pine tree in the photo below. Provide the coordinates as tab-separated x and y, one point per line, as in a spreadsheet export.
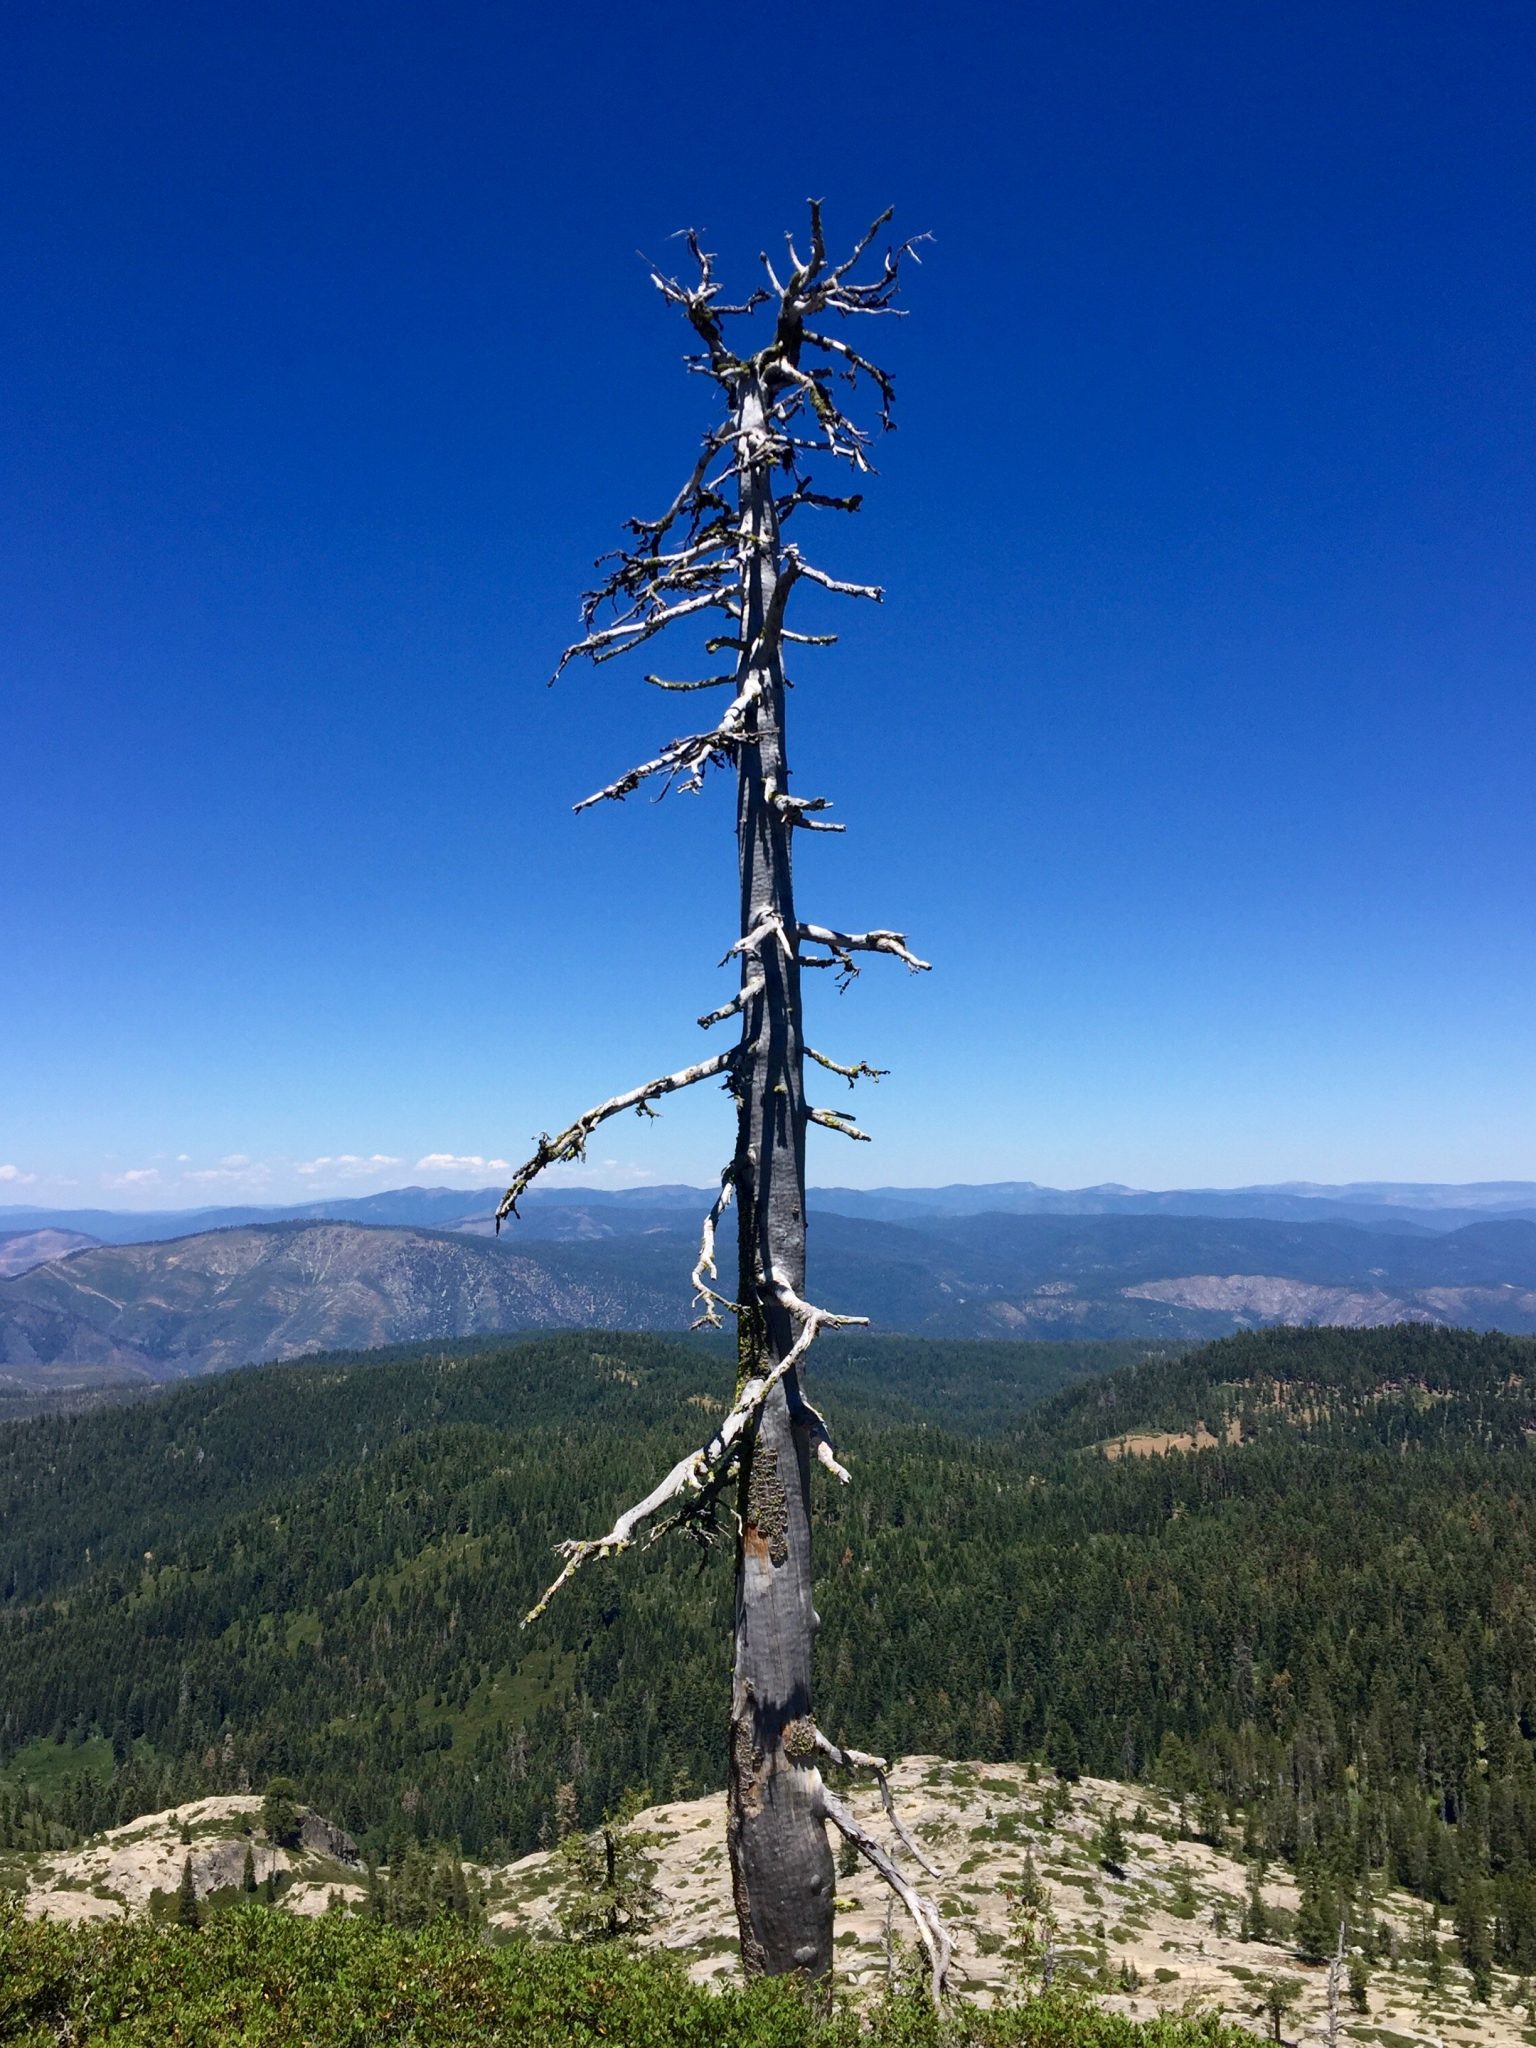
1255	1920
282	1817
248	1871
187	1914
1317	1916
1475	1938
1277	1996
1111	1846
610	1889
1062	1749
1359	1983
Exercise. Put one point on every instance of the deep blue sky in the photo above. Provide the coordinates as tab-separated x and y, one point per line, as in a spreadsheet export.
1194	744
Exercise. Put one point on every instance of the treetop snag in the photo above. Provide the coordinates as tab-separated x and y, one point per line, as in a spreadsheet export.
718	548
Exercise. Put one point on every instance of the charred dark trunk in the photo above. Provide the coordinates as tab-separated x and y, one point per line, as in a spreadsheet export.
781	1862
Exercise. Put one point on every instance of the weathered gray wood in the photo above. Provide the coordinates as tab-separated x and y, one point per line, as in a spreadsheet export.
781	1863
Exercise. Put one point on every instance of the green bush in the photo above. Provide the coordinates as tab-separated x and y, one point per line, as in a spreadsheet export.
255	1979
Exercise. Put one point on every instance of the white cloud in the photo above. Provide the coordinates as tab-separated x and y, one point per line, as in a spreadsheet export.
346	1165
135	1177
15	1176
235	1167
460	1162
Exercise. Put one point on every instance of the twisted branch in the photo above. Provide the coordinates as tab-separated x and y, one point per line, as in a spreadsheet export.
925	1914
704	1295
703	1473
861	1069
571	1144
843	945
861	1760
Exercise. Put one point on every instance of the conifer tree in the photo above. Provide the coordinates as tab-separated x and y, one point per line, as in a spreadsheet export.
281	1814
1317	1916
1359	1982
187	1914
610	1888
1277	1997
1112	1846
1474	1937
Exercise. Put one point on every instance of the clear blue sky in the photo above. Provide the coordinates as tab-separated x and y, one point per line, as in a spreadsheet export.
1194	744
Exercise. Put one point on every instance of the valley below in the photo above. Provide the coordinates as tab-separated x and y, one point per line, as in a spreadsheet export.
174	1307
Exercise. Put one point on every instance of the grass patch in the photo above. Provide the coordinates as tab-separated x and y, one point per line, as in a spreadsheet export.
46	1767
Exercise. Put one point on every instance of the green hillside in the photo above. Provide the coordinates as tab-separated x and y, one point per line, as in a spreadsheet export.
1318	1630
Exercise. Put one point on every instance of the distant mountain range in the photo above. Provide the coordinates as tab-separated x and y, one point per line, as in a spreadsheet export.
213	1299
1399	1206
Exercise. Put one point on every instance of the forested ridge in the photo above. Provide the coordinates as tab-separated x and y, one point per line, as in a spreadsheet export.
1321	1629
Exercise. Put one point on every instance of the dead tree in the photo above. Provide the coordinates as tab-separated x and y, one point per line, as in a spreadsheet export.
718	556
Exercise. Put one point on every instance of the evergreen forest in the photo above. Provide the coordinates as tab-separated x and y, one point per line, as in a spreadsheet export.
1317	1629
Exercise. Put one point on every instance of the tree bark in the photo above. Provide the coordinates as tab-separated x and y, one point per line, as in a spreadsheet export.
781	1862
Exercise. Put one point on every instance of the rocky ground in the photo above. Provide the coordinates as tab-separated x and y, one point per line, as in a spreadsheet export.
123	1869
1169	1925
1160	1936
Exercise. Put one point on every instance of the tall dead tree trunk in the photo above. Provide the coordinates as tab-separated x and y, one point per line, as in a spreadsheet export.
781	1863
713	552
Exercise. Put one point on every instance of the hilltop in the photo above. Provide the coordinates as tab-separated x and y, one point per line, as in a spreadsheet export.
1163	1931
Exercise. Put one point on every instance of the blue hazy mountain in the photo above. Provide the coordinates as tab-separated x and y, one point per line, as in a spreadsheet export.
217	1298
1400	1206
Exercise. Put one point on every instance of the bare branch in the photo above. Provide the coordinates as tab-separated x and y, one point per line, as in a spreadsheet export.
571	1143
813	1423
861	1760
925	1914
753	986
769	926
831	1121
795	811
704	1295
802	494
869	590
690	494
861	1069
841	945
811	1319
858	366
704	683
704	1472
687	757
861	245
615	640
841	437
